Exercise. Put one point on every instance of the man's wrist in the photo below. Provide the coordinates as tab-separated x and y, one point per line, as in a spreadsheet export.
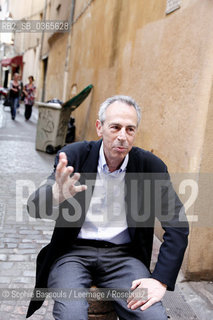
162	283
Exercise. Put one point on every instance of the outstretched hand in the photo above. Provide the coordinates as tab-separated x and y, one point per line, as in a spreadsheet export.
65	186
152	291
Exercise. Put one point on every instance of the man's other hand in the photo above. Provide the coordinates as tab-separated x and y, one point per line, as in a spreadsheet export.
154	291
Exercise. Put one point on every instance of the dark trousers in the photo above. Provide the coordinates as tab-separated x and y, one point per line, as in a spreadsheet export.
106	268
28	111
14	106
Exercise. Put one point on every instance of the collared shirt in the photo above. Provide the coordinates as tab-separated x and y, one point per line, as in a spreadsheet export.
106	216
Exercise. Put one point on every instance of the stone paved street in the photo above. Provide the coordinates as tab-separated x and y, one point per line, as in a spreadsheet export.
22	170
21	238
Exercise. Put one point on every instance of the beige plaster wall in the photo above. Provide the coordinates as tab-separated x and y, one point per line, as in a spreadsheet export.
26	10
98	45
165	63
133	48
56	63
60	10
200	253
29	69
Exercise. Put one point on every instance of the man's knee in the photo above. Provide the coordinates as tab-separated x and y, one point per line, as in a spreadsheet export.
155	312
70	310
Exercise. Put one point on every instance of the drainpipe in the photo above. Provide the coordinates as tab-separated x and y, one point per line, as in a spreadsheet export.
42	36
68	51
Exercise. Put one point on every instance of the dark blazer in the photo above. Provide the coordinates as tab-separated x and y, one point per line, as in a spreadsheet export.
145	200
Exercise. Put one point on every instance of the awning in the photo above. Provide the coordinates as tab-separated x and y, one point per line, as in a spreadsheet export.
13	62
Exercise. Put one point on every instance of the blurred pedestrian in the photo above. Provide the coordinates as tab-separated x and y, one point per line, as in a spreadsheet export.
29	91
21	94
14	94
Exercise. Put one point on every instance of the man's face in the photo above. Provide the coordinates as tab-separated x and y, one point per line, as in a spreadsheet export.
118	132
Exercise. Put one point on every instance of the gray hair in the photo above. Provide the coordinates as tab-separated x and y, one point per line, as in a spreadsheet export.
124	99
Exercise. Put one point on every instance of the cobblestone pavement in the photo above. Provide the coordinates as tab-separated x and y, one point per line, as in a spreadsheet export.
22	170
21	237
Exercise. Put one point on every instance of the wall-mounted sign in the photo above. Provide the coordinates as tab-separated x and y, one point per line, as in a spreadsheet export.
172	5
